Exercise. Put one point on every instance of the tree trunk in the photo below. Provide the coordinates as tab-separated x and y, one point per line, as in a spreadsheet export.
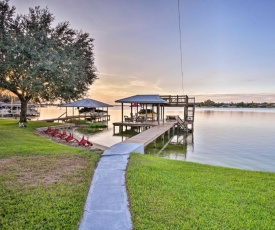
23	113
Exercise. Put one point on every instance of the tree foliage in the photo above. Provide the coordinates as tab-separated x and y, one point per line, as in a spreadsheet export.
40	62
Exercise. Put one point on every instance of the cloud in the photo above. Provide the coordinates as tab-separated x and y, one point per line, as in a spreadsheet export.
112	87
115	75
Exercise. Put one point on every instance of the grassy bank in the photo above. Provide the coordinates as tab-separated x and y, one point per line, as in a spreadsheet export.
43	184
166	194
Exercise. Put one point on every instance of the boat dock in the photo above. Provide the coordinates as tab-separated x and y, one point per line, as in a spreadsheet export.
140	126
150	135
151	109
107	206
13	110
98	118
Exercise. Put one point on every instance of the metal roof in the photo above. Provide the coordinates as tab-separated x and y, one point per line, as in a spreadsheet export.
87	103
143	99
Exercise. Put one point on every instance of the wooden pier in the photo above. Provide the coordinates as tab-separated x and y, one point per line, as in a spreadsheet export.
155	104
140	126
99	118
188	103
150	135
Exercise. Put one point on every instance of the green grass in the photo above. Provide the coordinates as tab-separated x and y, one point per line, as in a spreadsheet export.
77	121
43	184
166	194
92	128
23	141
97	125
88	123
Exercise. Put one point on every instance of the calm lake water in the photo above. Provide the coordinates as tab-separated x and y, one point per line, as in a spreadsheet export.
229	137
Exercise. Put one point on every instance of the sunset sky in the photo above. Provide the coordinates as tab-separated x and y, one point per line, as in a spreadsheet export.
228	46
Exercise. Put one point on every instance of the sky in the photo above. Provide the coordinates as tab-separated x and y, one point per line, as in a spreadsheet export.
223	50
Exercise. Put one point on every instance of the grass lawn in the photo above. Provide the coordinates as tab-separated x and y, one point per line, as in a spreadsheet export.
43	184
167	194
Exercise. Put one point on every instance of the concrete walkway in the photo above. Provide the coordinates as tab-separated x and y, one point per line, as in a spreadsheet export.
107	204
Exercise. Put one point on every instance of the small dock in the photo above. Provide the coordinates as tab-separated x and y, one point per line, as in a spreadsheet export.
140	126
100	118
151	108
150	135
171	120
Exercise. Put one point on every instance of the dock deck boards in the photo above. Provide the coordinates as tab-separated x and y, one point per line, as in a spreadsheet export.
151	134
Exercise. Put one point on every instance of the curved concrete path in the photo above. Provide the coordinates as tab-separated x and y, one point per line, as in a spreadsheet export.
107	204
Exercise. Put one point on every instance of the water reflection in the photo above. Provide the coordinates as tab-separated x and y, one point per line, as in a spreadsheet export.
235	138
174	147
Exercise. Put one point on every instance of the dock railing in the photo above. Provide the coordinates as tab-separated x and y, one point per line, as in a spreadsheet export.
175	100
191	100
182	124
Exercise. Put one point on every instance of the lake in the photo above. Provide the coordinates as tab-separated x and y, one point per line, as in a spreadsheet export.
230	137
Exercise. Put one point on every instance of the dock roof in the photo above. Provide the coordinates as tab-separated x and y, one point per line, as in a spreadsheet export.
143	99
87	103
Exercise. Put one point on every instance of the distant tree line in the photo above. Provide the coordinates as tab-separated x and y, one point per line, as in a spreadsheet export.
210	103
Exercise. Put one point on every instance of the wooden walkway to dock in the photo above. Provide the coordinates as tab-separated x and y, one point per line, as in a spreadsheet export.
150	135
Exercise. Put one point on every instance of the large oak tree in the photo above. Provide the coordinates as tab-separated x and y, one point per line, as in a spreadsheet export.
41	62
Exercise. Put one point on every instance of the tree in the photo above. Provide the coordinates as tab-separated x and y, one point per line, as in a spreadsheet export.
7	96
40	62
209	103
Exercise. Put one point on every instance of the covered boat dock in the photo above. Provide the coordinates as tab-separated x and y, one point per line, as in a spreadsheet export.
152	107
92	110
151	112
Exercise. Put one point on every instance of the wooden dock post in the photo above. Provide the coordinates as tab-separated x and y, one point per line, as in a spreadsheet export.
162	137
